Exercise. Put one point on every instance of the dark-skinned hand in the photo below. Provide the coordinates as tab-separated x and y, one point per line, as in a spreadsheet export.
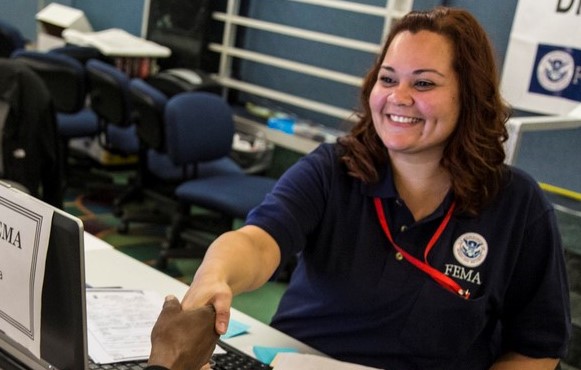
183	339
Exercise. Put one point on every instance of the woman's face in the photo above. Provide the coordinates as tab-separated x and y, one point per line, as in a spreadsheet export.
415	101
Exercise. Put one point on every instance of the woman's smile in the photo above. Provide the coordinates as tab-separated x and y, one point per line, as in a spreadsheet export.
403	119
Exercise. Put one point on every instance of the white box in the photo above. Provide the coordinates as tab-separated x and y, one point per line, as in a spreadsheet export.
54	19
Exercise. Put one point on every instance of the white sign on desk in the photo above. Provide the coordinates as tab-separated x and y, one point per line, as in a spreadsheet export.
25	224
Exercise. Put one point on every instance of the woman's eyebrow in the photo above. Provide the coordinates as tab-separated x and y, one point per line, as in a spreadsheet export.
416	72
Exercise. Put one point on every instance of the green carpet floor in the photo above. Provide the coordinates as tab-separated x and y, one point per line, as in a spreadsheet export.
143	242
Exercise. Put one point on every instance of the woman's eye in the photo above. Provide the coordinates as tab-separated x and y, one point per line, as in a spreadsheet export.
386	80
424	84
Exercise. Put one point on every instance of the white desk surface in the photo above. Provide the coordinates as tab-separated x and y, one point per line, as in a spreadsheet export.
107	267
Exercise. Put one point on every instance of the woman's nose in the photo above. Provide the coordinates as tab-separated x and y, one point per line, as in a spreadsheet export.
400	95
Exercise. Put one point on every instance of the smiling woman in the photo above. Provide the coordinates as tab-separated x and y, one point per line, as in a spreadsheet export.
415	107
418	247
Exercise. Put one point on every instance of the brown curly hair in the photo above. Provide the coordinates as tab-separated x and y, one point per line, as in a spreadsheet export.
474	155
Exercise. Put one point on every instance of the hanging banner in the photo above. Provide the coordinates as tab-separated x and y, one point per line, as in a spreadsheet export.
542	68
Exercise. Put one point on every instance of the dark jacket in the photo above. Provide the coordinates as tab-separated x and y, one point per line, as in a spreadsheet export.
29	138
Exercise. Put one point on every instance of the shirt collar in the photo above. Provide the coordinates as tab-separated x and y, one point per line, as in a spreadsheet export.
385	189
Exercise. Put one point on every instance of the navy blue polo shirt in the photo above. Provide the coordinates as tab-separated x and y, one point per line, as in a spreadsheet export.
350	297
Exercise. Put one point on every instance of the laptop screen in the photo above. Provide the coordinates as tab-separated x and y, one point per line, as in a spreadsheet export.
63	331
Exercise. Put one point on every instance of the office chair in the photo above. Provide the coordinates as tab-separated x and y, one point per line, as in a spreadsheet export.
200	128
147	115
109	99
66	80
10	39
81	53
157	175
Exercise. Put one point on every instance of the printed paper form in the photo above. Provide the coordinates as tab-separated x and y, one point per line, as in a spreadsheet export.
119	323
25	224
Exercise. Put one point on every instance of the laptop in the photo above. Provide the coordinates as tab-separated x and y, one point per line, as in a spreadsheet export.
63	342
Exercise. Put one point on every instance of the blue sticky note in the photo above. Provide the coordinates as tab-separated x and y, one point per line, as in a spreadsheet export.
235	328
284	124
267	354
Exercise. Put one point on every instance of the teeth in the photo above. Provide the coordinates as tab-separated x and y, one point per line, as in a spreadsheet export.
402	119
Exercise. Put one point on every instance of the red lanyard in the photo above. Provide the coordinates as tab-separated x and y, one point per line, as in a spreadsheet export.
441	278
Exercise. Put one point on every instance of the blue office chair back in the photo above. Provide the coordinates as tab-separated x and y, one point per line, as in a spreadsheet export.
199	127
81	53
148	104
109	99
109	93
10	39
64	77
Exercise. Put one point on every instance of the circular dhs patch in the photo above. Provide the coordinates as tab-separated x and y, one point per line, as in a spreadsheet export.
470	249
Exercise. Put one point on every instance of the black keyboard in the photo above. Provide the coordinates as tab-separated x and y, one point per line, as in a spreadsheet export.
129	365
233	359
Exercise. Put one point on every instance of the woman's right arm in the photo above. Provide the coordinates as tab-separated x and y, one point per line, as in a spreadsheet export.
237	261
245	259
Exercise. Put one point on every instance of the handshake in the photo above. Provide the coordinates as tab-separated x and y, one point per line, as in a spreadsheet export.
182	339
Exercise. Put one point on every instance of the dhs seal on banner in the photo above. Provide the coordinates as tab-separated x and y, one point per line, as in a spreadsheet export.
556	73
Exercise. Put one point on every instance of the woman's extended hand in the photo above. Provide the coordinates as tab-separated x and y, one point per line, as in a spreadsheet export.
218	295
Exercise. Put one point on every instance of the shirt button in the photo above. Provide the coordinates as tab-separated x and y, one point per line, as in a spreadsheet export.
398	202
399	256
403	228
